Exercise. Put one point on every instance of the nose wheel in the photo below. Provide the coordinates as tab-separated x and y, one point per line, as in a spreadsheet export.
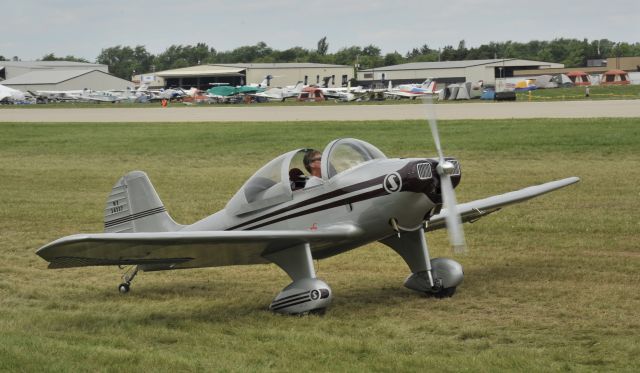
127	278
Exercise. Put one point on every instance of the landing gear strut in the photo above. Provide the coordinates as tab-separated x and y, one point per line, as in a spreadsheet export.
128	277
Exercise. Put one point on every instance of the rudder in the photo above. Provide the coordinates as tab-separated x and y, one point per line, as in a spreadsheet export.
134	206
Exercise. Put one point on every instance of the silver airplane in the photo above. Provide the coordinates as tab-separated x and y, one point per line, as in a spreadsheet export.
279	217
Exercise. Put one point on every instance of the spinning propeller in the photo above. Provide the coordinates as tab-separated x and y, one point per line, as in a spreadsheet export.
445	169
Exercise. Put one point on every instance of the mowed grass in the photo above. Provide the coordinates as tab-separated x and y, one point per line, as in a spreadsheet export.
552	284
596	92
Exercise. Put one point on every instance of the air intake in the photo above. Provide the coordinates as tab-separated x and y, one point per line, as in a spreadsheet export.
456	168
424	171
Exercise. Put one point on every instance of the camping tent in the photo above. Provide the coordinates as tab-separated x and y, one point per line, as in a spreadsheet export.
545	81
579	77
526	85
452	89
463	91
615	77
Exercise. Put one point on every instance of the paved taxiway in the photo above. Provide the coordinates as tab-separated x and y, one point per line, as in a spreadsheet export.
498	110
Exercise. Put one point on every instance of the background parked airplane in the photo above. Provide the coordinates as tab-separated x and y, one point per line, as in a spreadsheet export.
281	94
428	87
9	94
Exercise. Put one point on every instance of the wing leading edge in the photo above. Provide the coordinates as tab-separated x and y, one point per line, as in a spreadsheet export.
175	250
474	210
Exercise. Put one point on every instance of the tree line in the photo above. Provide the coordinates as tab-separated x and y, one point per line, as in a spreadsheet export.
125	61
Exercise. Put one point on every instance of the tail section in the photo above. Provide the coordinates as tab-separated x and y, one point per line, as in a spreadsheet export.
265	81
134	206
432	86
429	85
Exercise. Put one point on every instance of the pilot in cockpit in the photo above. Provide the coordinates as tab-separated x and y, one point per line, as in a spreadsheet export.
312	163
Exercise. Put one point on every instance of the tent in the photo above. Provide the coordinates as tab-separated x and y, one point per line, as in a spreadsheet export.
526	85
617	77
463	91
546	81
579	77
452	89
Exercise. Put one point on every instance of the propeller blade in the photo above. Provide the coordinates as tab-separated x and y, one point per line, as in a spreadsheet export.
433	124
453	220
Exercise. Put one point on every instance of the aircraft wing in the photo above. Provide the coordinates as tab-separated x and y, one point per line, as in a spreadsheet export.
175	250
474	210
406	94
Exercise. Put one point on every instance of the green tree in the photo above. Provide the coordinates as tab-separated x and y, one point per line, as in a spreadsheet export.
52	57
323	46
295	54
394	58
177	56
124	61
348	56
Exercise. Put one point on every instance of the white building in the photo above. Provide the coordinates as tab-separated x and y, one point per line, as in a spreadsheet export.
450	71
59	76
63	80
12	69
282	74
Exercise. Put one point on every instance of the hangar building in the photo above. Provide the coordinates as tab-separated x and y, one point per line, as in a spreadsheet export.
450	71
58	76
12	69
283	74
63	80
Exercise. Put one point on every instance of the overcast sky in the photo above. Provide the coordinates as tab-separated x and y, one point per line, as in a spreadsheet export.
30	29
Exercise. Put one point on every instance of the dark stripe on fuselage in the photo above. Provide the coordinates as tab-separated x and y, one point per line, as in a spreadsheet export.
135	216
320	198
342	202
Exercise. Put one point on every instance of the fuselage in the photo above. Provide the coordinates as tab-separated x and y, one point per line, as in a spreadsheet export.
368	196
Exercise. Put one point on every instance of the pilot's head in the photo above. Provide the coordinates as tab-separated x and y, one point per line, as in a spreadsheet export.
310	157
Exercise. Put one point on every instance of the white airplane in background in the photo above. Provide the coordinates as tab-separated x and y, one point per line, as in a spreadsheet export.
263	84
11	95
344	93
281	94
428	87
70	95
89	95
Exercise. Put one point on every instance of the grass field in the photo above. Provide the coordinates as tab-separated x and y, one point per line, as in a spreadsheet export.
550	285
598	92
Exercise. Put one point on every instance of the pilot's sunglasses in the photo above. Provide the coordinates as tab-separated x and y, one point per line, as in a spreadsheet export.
316	159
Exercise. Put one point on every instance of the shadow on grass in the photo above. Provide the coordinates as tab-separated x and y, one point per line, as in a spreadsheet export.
178	304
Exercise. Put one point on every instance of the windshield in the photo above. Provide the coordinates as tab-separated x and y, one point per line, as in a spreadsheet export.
267	187
344	154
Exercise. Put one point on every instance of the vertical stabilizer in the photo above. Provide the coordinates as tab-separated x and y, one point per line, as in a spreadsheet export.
134	206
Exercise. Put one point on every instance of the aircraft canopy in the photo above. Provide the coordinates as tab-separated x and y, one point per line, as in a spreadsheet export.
273	183
344	154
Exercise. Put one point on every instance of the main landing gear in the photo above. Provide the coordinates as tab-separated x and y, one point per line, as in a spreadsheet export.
437	277
306	294
128	277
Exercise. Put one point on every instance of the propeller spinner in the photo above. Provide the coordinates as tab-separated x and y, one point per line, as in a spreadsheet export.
445	169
